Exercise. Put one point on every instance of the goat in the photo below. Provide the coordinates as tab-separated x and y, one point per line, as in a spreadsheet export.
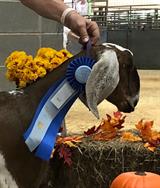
19	168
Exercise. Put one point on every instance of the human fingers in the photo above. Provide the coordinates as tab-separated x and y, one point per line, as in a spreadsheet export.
82	27
77	24
83	34
93	31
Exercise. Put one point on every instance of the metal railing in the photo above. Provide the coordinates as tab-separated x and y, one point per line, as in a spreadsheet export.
140	17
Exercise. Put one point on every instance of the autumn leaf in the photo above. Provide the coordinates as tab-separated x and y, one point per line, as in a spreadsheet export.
73	139
70	144
145	128
155	138
151	137
105	136
108	128
128	136
92	130
63	145
149	147
117	121
117	115
65	153
112	122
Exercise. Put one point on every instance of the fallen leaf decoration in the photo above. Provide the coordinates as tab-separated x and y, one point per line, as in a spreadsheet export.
73	139
104	136
148	135
155	138
64	145
92	130
149	147
108	129
145	129
128	136
65	153
117	115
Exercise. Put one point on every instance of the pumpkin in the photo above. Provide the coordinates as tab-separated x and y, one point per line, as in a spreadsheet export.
136	180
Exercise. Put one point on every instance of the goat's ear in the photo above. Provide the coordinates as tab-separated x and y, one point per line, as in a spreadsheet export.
103	80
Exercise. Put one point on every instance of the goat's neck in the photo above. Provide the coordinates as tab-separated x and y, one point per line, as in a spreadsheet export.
40	87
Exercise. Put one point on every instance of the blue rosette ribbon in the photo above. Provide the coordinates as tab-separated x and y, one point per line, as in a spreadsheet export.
41	135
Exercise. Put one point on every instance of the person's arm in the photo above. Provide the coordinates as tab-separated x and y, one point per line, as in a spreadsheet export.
54	9
51	9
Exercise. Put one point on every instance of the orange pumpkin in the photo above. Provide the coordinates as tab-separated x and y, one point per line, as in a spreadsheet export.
136	180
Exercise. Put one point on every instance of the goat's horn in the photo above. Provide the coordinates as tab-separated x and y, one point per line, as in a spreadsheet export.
103	80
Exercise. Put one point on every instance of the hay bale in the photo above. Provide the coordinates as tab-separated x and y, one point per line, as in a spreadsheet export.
99	163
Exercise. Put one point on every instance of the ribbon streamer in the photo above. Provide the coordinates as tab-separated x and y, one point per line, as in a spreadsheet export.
41	135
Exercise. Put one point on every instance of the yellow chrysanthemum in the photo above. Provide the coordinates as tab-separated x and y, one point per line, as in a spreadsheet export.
24	69
22	83
57	61
66	53
10	75
48	53
29	63
41	62
41	72
60	55
33	76
11	65
16	55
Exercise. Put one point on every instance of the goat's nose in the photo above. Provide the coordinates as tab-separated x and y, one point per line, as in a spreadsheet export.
126	107
133	100
129	107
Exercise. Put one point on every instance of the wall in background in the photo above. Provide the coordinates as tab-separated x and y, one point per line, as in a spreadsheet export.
22	29
145	46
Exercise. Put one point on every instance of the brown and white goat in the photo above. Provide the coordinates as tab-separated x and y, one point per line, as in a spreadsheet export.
19	168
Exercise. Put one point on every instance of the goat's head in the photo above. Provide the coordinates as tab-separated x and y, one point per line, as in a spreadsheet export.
126	94
114	77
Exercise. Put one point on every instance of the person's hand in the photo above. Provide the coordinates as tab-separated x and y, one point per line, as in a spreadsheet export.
82	27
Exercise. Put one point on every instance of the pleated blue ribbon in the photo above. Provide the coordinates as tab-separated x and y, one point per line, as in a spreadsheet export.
40	137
